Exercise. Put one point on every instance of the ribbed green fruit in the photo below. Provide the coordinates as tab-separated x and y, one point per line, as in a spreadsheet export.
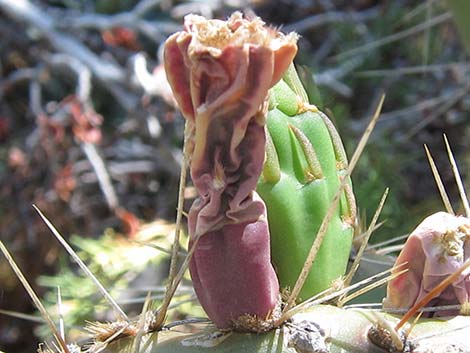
305	162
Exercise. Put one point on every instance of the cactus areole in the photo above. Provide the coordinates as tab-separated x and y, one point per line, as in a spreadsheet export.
220	73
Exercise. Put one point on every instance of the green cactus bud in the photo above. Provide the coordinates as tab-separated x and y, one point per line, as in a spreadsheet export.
286	99
293	81
311	164
271	169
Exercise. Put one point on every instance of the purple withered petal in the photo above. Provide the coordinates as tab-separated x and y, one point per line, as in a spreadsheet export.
232	272
434	250
220	72
179	78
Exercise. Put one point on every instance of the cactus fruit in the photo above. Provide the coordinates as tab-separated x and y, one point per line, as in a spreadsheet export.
438	247
305	164
220	73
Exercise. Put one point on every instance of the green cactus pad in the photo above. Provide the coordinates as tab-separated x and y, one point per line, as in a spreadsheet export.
332	330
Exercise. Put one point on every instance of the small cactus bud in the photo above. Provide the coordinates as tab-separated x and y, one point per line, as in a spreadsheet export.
312	165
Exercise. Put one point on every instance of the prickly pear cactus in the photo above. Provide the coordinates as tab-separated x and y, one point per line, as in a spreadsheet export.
305	163
322	329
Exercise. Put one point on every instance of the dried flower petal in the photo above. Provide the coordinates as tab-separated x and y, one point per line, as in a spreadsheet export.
435	249
220	73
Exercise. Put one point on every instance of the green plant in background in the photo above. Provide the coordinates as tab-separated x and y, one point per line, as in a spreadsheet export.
128	268
461	12
304	167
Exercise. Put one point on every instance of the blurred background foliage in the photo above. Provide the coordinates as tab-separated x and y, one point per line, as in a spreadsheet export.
90	134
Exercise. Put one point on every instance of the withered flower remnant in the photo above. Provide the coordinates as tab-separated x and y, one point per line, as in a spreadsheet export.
220	73
438	247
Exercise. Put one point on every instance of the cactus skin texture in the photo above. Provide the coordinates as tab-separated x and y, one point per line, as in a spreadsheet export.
305	162
438	247
220	73
341	331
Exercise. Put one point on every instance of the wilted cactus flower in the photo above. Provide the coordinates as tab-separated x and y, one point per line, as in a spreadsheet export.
220	73
438	247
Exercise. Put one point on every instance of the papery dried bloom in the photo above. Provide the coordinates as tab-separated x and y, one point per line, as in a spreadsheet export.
438	247
220	73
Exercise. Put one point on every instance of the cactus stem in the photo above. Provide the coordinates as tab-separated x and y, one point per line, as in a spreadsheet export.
329	214
306	107
311	256
293	81
338	147
271	169
351	216
314	170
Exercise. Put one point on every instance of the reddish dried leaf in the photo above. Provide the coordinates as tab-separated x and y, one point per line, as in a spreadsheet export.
121	37
65	183
130	221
